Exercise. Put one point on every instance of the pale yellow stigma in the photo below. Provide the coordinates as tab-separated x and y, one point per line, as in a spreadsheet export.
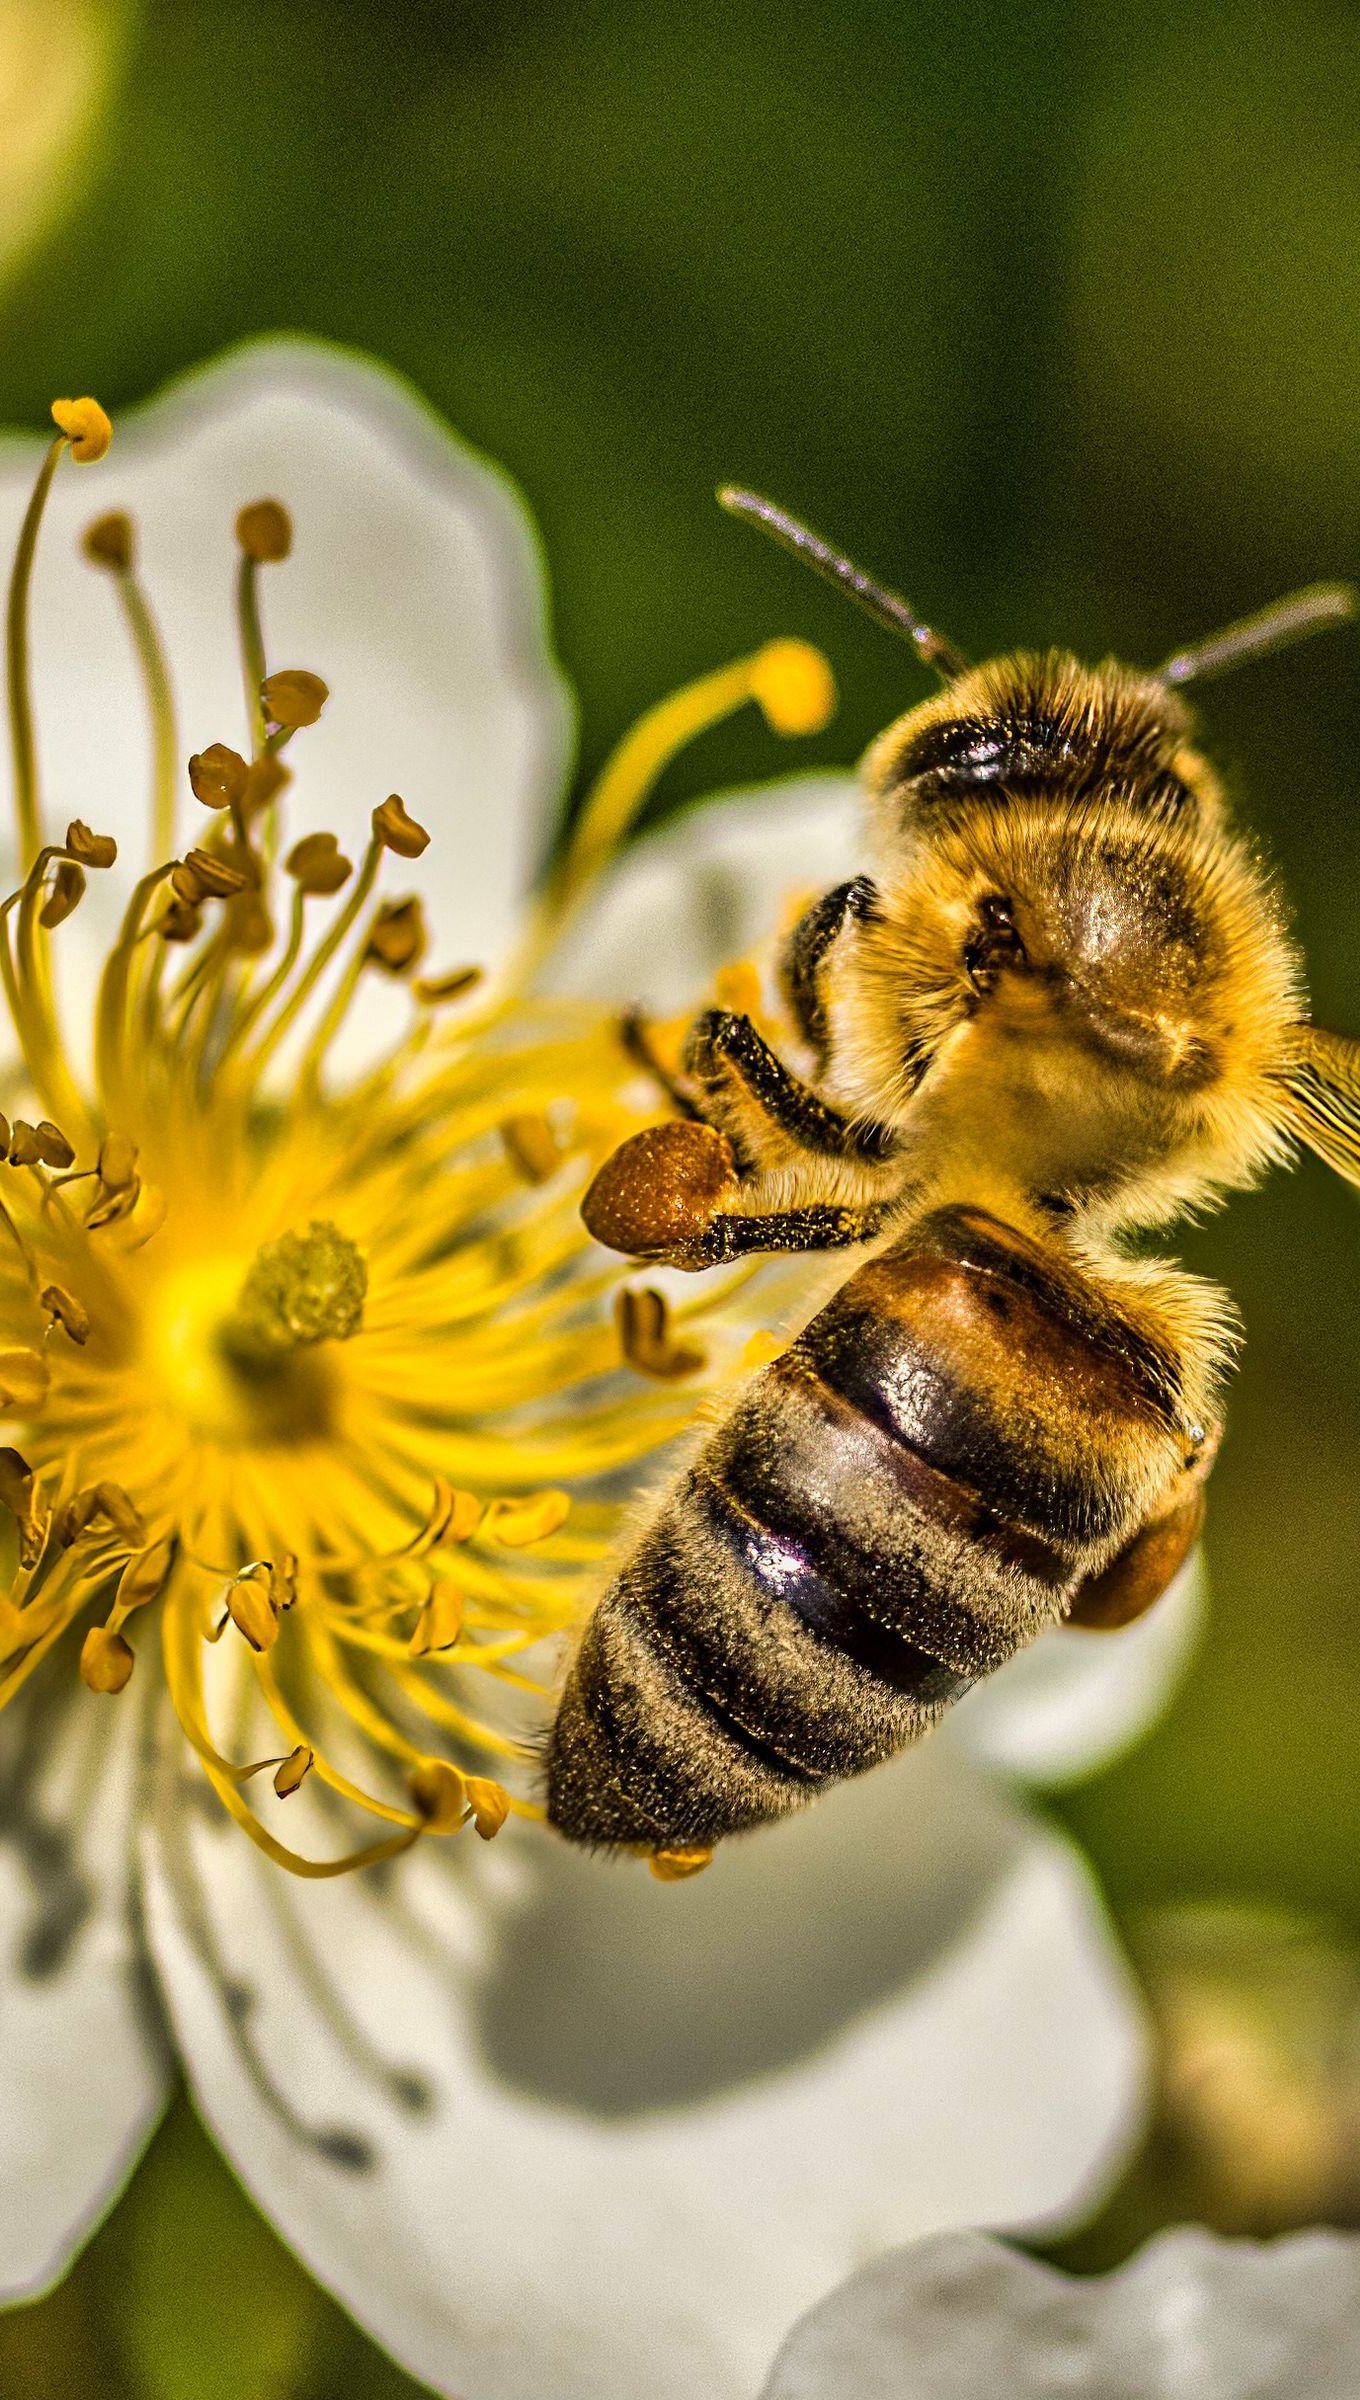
302	1289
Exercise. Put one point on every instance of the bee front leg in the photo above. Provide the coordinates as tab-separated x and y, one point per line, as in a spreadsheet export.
807	952
765	1110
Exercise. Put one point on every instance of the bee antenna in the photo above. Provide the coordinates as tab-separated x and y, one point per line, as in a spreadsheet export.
886	608
1286	621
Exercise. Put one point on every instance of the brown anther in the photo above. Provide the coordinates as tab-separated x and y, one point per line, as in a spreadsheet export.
182	921
24	1379
217	879
104	1500
109	541
248	926
398	937
16	1484
117	1163
440	1621
185	885
490	1805
23	1144
318	863
6	1136
646	1340
675	1866
251	1609
114	1207
438	1795
106	1660
289	1773
283	1579
90	849
219	776
293	697
264	782
396	831
66	892
264	530
659	1190
431	990
531	1147
53	1148
516	1524
65	1310
86	427
144	1577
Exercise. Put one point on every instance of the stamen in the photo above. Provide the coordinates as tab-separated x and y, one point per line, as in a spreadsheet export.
218	776
440	1621
397	831
111	542
293	698
646	1338
85	429
106	1660
518	1523
251	1608
531	1147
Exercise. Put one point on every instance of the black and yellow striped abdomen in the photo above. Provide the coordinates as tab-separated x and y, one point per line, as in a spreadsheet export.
909	1494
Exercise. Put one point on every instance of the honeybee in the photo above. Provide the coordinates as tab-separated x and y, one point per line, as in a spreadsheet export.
1061	1008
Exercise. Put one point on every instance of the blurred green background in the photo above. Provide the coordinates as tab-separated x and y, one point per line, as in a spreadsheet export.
1048	308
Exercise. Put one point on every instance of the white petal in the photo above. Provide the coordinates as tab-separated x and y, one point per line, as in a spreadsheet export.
1189	2318
415	588
83	2067
707	888
1074	1700
659	2120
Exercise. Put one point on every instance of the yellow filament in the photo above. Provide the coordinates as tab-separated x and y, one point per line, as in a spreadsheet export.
160	702
22	747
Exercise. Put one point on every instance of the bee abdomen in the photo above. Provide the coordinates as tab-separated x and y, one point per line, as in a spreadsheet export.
893	1508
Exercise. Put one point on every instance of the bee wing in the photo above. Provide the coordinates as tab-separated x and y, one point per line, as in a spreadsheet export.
1323	1107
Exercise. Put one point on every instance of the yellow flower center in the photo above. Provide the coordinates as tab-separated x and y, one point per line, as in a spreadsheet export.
320	1374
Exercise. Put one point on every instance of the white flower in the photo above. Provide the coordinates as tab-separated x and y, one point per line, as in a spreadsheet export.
1190	2317
550	2130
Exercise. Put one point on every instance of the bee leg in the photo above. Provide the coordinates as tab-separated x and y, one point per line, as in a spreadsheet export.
667	1195
728	1236
746	1090
1144	1568
636	1036
806	954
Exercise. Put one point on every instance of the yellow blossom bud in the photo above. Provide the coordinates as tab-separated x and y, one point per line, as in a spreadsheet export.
24	1379
90	849
440	1621
398	936
264	530
518	1523
218	776
490	1805
117	1162
674	1866
106	1660
85	426
65	1310
794	686
396	831
144	1578
252	1611
290	1771
66	893
438	1795
318	864
431	990
16	1483
109	541
293	697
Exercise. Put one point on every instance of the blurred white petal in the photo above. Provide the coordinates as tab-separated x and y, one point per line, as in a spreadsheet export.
708	887
1074	1700
1189	2318
83	2066
548	2127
